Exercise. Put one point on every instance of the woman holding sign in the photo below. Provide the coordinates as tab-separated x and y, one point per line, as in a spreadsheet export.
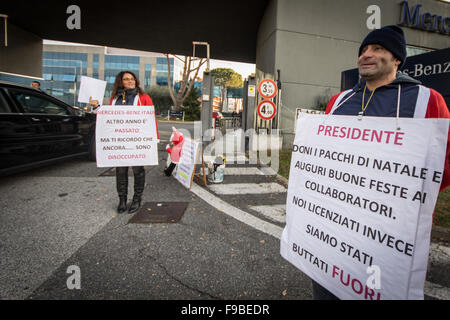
127	91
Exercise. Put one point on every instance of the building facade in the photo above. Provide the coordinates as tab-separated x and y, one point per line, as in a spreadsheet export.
63	66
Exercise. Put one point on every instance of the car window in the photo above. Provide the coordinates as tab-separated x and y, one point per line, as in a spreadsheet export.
36	104
4	107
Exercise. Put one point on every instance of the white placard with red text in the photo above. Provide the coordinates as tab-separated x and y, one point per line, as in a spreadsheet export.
360	203
126	136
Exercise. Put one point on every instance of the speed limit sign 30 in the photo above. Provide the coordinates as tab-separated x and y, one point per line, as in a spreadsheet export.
267	109
267	89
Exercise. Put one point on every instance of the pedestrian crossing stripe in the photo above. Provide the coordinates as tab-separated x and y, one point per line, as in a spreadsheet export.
247	188
276	212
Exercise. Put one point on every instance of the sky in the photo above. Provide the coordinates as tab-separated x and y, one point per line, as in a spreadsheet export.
245	69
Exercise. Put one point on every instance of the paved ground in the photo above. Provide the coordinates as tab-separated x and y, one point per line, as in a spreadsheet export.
225	247
208	255
64	215
268	208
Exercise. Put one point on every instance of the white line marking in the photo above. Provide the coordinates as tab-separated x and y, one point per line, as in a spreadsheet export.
432	290
236	213
247	188
268	171
242	171
230	158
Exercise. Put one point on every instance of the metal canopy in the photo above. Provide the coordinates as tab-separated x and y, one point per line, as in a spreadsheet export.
230	27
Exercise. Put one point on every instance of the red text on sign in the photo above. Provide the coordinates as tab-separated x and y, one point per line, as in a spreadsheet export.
371	135
355	284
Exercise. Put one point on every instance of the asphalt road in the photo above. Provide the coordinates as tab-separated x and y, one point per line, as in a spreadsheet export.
64	215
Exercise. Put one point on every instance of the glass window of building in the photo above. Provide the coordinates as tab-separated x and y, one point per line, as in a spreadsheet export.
62	72
115	64
95	66
148	75
162	71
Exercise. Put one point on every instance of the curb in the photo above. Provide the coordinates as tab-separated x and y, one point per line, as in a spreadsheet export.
442	230
173	121
283	180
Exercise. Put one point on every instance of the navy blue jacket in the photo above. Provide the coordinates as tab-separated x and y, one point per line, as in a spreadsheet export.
416	101
384	99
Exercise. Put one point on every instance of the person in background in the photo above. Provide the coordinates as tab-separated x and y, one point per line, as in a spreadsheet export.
127	91
36	85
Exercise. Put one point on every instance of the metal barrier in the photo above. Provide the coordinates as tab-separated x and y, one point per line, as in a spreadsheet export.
229	123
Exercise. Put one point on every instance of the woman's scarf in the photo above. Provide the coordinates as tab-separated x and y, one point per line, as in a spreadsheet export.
126	96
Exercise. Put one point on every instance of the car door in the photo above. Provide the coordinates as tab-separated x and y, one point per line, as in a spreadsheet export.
16	136
54	124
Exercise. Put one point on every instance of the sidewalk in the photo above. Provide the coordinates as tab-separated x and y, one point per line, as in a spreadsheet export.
173	121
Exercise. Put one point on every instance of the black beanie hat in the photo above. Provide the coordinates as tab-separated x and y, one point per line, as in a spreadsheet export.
390	37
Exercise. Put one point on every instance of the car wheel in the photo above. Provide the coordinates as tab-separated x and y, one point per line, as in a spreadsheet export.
92	151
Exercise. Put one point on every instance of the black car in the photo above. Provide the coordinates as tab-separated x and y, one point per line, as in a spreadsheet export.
37	129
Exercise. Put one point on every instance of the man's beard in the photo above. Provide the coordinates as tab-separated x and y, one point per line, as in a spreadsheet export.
380	72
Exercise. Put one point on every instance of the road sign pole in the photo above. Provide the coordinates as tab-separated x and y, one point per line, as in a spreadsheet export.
207	97
250	106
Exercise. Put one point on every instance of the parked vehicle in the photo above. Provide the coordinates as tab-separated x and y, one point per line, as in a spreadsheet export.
37	129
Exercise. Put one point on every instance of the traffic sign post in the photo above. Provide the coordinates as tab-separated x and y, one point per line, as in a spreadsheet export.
267	110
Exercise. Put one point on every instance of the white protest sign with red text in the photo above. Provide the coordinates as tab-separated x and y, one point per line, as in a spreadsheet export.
126	136
360	203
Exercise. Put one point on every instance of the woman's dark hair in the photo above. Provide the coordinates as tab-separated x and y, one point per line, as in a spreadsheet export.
118	83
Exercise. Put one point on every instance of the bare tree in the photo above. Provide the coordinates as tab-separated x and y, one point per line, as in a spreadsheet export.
189	67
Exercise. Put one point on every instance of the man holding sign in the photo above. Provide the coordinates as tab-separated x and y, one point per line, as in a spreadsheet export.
368	202
127	92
